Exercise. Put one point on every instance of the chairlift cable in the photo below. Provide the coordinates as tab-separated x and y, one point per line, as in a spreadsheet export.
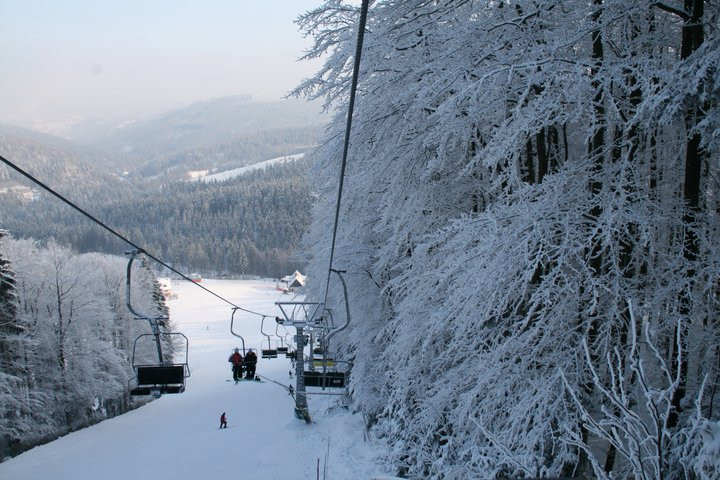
286	387
351	107
120	236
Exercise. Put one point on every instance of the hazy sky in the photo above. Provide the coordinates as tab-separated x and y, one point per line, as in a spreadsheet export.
62	60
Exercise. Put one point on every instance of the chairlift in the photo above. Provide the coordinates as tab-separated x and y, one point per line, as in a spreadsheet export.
267	352
282	348
164	377
233	332
320	357
288	343
323	362
335	378
323	328
325	378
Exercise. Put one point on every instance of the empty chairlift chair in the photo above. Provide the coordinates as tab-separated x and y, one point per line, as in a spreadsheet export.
321	358
316	378
163	377
267	352
338	377
232	329
323	362
282	349
159	379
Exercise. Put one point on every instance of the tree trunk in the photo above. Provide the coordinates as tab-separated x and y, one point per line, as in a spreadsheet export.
529	162
542	167
594	252
692	38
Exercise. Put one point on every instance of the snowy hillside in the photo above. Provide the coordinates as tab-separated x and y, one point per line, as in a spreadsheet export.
206	122
177	437
228	174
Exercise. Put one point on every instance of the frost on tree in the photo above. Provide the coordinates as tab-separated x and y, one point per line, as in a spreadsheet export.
524	178
12	343
67	339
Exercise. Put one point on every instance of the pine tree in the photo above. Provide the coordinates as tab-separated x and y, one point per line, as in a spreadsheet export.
12	345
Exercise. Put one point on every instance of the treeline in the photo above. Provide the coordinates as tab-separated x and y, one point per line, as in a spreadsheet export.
531	231
66	339
250	224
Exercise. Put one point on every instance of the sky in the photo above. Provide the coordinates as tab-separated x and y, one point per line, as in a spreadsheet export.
178	437
71	60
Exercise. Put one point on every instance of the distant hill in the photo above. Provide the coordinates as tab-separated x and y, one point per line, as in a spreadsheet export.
236	224
69	168
217	134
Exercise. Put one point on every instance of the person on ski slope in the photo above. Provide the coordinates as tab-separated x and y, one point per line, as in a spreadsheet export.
250	362
237	364
223	421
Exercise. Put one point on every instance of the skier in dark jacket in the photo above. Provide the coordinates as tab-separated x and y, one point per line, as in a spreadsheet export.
250	362
223	421
237	363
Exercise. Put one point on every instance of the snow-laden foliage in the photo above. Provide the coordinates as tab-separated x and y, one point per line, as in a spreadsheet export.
68	343
523	179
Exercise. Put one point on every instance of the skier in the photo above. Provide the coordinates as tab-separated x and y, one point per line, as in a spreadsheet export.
250	362
237	363
223	421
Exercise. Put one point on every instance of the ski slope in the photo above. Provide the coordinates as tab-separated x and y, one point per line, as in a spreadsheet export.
178	437
236	172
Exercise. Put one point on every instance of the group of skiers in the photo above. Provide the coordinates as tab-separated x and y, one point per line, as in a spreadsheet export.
239	363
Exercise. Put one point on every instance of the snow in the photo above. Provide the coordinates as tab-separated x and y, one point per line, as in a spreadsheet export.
195	174
236	172
178	437
707	462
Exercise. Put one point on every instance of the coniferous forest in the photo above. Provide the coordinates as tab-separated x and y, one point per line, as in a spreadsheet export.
247	225
137	180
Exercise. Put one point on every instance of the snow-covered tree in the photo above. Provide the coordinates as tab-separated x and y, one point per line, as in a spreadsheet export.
519	173
13	342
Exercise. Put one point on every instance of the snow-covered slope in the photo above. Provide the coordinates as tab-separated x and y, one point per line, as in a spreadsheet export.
178	437
220	176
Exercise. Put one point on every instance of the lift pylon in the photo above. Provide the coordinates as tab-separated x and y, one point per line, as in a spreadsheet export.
299	315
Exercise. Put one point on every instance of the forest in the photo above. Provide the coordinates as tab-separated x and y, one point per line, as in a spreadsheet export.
66	335
530	229
134	177
229	153
250	224
66	339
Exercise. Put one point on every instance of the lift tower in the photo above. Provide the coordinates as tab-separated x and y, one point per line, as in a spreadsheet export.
300	315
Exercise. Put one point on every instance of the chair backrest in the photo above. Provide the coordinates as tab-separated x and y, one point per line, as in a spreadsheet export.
328	362
327	380
161	375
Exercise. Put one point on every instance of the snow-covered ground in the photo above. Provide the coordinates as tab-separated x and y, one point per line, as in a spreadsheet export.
221	176
178	437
